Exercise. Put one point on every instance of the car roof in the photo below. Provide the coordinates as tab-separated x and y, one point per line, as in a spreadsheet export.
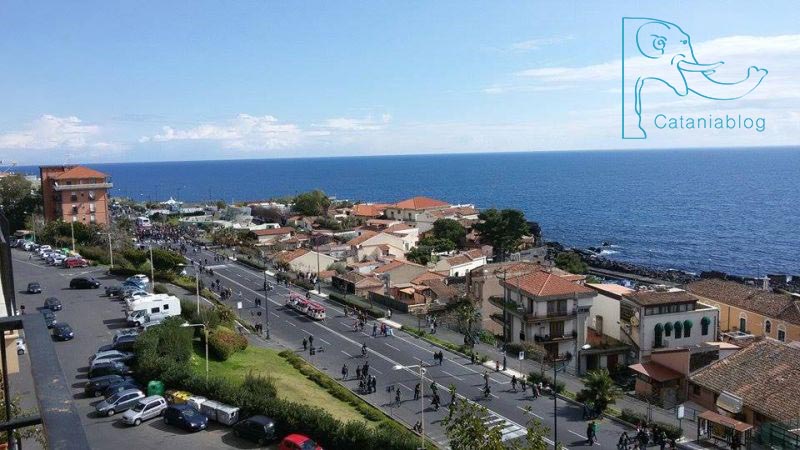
130	391
106	377
52	299
297	438
263	420
152	398
33	282
63	325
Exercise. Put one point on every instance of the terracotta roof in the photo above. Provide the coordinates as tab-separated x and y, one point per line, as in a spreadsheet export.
353	277
398	227
369	209
419	279
360	239
766	375
777	306
79	173
656	371
545	284
393	265
420	203
325	274
273	232
728	422
464	258
292	255
456	211
614	290
442	290
647	298
369	282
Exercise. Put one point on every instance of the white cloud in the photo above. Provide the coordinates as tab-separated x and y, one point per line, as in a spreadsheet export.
245	132
536	44
51	132
351	124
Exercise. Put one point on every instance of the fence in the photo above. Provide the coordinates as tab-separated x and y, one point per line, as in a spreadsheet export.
780	435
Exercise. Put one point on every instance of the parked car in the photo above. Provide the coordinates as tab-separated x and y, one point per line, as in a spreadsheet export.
121	401
49	318
84	283
259	429
111	355
53	304
34	288
56	259
97	385
145	409
43	249
124	343
63	332
186	417
108	368
143	279
71	263
120	386
298	442
114	291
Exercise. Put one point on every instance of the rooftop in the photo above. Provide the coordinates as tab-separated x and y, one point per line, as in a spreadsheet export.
649	298
610	289
770	304
546	284
656	371
288	256
766	375
369	209
363	237
272	231
420	203
79	173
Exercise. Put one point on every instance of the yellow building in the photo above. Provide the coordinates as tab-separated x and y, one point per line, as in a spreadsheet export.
751	310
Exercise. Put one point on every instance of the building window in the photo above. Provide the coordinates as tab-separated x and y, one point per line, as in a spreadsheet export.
92	218
668	329
91	195
557	329
678	327
91	207
743	323
696	389
73	196
74	209
659	328
781	333
687	328
767	327
704	323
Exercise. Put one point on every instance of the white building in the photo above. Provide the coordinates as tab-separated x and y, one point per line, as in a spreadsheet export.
407	210
459	265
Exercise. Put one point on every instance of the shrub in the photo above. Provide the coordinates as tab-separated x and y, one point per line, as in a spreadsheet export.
223	343
636	418
536	377
94	253
160	289
359	303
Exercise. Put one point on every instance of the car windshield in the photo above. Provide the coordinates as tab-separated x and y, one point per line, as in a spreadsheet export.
189	413
139	407
114	398
65	328
308	445
34	285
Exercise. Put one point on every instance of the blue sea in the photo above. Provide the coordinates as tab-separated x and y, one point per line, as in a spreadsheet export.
737	211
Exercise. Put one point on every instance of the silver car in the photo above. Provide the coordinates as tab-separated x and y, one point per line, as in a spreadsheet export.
121	401
145	409
110	355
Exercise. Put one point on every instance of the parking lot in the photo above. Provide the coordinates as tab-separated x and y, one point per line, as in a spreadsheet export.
95	318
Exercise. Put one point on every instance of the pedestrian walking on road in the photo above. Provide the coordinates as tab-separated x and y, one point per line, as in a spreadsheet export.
397	397
523	384
374	330
590	433
374	384
358	372
311	339
514	382
452	394
434	389
496	365
417	389
388	313
485	378
365	369
344	372
305	344
472	358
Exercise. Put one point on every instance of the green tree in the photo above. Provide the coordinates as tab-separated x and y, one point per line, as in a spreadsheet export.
599	390
535	437
503	229
420	255
59	233
314	203
220	204
467	315
437	244
451	230
269	215
467	428
339	267
18	200
571	262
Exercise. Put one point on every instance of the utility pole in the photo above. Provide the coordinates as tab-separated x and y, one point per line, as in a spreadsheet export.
72	232
267	287
152	271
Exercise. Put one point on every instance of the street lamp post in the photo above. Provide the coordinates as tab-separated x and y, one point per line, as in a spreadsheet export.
205	330
556	369
267	288
421	397
110	250
72	232
152	271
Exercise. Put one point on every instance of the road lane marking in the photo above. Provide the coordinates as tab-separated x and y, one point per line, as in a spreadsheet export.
457	378
348	354
392	346
530	412
323	340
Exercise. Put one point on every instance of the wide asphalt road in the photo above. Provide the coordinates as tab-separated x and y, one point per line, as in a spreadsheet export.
342	345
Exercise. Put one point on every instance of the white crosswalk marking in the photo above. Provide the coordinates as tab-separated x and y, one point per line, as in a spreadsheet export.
508	429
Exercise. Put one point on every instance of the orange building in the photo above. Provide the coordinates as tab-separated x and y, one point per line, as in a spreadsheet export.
75	193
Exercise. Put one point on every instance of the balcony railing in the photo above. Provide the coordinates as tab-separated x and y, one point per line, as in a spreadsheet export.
551	315
82	186
57	414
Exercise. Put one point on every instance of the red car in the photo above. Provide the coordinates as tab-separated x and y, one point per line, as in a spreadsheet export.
69	263
298	442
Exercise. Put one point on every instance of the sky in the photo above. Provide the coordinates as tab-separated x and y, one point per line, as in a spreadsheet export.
99	81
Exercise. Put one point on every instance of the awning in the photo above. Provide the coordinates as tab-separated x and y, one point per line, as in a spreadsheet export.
656	371
730	402
727	422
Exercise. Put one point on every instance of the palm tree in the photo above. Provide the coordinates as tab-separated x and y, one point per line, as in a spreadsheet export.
467	315
599	390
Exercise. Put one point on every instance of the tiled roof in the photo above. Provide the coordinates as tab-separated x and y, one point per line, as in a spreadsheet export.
398	227
656	371
777	306
393	265
615	290
292	255
79	173
369	209
420	203
545	284
273	232
464	258
360	239
369	282
441	290
353	277
419	279
766	375
647	298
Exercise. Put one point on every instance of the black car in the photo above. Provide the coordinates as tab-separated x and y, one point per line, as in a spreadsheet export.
63	332
124	343
108	368
49	318
259	429
52	303
186	417
84	283
114	291
120	386
97	385
34	288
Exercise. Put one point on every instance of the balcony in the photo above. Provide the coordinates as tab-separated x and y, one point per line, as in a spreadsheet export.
82	186
510	304
550	315
57	414
555	338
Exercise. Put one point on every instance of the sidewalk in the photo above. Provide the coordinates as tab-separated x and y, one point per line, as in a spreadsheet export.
571	382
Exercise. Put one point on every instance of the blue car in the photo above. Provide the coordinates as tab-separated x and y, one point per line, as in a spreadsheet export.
186	417
63	332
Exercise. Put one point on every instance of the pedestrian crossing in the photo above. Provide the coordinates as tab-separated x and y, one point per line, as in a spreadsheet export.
508	429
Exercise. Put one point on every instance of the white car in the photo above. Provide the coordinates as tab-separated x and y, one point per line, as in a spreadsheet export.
21	347
58	259
146	408
140	278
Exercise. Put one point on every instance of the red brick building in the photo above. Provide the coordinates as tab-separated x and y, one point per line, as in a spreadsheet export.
75	193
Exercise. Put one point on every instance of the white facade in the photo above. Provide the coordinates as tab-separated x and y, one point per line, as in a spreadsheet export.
604	316
308	262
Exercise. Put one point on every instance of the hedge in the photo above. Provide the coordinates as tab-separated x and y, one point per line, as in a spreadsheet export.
635	418
448	345
363	305
223	343
160	289
536	377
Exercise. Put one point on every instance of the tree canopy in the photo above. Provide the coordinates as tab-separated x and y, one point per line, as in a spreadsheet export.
450	230
18	200
599	390
419	255
314	203
467	427
571	262
503	229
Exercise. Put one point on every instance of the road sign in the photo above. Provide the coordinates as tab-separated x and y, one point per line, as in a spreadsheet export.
521	355
238	305
679	412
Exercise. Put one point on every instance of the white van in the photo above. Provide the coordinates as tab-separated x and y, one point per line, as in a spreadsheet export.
132	302
156	308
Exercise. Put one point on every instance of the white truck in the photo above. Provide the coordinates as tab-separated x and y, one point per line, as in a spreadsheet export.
147	309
